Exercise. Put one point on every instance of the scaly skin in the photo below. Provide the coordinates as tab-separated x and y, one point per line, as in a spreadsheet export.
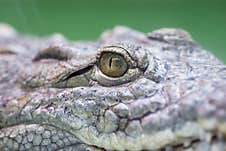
54	96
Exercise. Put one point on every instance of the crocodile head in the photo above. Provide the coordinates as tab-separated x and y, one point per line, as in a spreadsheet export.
125	91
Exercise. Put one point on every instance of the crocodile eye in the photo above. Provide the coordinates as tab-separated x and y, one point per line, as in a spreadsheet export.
119	64
113	64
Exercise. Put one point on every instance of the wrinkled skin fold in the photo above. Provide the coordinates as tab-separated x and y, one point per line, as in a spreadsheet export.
170	94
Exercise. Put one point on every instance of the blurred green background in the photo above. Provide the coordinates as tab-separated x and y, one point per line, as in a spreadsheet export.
86	19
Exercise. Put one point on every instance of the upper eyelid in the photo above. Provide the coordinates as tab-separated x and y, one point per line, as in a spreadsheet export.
116	49
127	53
120	48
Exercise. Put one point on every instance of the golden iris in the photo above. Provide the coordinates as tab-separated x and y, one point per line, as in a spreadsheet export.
113	64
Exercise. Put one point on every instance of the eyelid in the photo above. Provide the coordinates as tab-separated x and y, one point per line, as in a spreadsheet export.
119	50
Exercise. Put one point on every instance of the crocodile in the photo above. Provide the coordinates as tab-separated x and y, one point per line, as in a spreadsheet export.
127	90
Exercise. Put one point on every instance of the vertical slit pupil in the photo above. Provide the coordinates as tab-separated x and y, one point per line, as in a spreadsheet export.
110	62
